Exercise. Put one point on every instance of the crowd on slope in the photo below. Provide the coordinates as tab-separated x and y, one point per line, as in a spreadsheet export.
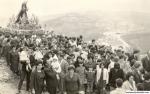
68	65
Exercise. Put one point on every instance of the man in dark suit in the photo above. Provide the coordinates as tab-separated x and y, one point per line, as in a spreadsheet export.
146	62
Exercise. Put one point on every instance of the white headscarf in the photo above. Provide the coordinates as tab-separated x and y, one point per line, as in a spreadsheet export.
55	64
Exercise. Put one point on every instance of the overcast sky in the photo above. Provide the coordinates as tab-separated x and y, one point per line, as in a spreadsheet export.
51	7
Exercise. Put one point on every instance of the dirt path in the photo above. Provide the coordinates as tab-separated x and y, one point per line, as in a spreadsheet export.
8	81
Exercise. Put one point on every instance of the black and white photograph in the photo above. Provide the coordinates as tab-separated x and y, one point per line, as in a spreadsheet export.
74	46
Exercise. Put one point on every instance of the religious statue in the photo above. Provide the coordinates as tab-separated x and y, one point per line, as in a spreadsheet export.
22	17
23	24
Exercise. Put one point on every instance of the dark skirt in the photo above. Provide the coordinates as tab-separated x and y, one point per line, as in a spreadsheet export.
72	92
14	66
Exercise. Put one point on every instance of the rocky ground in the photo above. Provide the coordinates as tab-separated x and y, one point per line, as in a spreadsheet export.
8	81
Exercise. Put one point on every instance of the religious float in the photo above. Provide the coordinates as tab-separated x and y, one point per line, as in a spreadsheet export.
22	24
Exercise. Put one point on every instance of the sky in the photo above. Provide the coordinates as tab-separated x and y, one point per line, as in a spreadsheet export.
43	8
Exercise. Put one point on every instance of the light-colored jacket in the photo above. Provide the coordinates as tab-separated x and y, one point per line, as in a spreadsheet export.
128	87
118	91
111	65
105	75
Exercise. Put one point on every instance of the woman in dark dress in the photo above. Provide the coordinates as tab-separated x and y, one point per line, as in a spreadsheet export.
51	79
14	60
37	79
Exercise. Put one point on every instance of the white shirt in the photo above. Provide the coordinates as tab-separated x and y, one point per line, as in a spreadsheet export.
105	74
23	56
111	65
38	55
56	66
38	40
84	55
76	54
73	43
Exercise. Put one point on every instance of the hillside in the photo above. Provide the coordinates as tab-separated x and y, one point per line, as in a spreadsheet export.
94	24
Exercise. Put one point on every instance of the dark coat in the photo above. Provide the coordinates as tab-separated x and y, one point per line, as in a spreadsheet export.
146	64
14	60
113	75
71	84
45	58
146	85
137	76
32	60
14	42
51	79
6	50
37	81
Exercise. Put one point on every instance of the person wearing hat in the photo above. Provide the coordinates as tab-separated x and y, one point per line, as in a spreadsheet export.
71	81
37	79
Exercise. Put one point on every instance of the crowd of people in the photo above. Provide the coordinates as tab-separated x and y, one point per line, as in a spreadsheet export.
68	65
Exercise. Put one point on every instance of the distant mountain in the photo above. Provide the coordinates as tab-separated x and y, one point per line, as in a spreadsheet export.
93	24
75	24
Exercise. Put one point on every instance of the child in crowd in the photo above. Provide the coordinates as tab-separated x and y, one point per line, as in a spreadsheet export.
81	72
90	76
56	66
